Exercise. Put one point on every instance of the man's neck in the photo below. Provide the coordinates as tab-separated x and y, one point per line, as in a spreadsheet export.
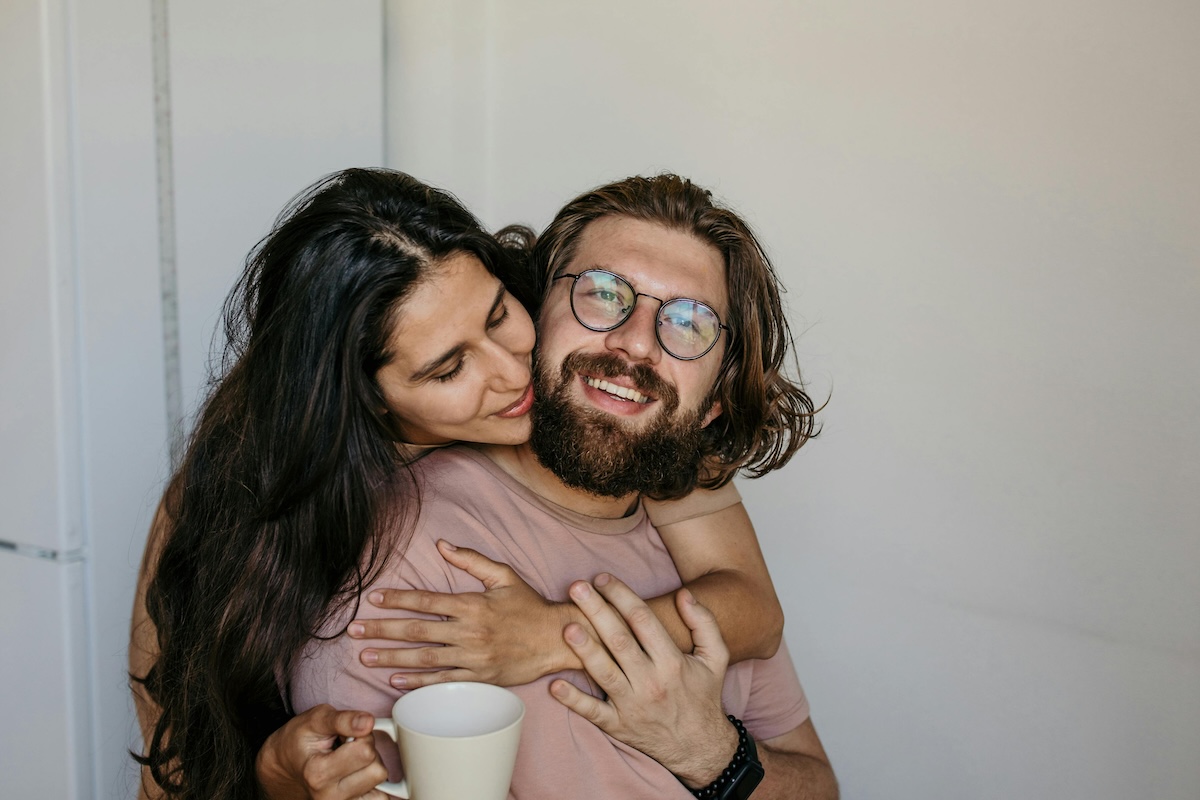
523	466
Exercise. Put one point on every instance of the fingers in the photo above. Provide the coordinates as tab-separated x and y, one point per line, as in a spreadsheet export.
347	724
351	771
320	725
491	573
706	634
609	625
416	631
597	661
417	658
651	635
438	604
585	705
415	680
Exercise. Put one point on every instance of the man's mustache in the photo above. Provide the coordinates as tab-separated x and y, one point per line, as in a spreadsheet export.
607	365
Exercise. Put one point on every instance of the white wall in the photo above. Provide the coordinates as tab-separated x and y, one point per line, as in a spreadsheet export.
266	97
986	215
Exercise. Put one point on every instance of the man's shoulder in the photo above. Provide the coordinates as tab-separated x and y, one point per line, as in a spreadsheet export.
450	461
456	476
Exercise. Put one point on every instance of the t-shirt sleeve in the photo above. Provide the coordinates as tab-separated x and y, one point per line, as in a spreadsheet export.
777	702
699	503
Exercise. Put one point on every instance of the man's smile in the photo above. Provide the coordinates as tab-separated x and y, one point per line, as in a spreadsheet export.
622	392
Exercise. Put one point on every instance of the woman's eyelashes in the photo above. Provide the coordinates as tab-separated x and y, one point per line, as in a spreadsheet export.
493	324
499	319
452	374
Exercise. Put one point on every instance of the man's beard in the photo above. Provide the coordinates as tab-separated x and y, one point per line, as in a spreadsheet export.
590	450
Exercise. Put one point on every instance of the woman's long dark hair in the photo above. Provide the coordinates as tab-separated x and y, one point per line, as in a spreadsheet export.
285	505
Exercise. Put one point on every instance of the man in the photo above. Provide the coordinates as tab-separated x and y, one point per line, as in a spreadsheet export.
659	369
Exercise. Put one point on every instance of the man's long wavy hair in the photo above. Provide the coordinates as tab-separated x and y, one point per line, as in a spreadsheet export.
286	502
766	415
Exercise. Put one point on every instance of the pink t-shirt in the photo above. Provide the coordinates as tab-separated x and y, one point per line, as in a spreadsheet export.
468	500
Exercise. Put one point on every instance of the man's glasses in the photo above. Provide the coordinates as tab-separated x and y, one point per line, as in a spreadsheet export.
602	301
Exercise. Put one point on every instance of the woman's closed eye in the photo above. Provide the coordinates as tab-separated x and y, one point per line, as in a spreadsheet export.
453	373
499	319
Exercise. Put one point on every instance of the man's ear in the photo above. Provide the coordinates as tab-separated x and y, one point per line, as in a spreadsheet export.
712	414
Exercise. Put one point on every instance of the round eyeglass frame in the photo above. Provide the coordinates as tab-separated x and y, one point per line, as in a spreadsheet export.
636	294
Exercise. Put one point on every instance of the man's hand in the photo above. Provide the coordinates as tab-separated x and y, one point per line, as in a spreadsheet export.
661	701
301	760
507	635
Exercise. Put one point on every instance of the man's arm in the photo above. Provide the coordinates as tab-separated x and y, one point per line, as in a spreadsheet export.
668	704
796	767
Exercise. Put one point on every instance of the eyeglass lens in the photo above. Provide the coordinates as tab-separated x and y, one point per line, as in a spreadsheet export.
686	328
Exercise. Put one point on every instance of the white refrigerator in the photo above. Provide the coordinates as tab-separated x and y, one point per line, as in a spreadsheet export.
82	427
129	196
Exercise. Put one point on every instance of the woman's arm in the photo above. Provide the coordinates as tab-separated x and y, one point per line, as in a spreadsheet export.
720	562
300	760
509	634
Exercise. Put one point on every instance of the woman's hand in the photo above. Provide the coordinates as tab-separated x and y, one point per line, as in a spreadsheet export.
506	635
302	759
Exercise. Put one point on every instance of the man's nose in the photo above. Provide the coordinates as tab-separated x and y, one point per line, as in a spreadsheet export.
636	338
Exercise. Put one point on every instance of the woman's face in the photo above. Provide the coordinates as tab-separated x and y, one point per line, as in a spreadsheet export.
460	366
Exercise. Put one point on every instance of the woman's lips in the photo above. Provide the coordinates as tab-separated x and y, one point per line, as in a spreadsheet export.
519	408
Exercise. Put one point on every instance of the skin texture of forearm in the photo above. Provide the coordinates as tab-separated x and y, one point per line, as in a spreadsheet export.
718	558
796	767
751	621
794	776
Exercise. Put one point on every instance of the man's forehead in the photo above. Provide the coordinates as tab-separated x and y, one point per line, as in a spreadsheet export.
658	260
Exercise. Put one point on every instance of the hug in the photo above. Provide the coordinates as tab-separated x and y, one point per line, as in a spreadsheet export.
436	454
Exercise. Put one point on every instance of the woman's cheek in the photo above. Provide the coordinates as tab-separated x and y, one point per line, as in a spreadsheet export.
453	407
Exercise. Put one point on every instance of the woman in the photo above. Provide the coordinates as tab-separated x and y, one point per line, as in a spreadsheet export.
285	505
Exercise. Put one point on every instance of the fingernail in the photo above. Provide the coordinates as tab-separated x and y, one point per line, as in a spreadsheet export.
363	720
558	689
443	543
581	591
575	634
688	597
356	629
603	578
369	656
376	598
399	681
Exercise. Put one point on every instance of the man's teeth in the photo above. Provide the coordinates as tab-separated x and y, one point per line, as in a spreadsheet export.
617	391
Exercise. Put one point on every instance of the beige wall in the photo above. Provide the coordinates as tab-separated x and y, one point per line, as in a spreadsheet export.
986	215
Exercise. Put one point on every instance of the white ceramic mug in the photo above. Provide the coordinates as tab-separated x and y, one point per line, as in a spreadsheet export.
457	740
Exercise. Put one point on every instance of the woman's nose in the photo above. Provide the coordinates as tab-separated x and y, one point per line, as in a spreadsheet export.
511	370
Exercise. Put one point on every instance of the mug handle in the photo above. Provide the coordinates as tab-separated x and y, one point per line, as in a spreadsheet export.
388	726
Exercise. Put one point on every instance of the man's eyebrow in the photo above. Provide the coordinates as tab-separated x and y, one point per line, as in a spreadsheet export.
434	364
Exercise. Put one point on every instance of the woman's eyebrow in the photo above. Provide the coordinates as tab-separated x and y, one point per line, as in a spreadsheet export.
431	366
436	363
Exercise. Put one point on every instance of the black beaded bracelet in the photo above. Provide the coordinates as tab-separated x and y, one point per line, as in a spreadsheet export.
742	775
